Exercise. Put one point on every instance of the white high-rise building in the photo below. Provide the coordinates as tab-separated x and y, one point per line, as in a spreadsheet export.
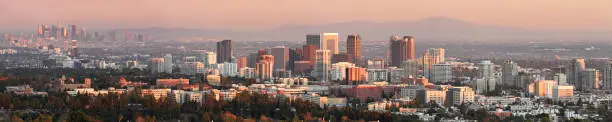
228	69
509	73
248	72
441	73
322	65
191	68
607	76
168	65
560	78
209	58
485	69
411	67
330	42
157	65
396	74
377	74
459	95
338	70
483	85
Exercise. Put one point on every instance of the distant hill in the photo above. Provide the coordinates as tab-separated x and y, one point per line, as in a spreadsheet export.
437	29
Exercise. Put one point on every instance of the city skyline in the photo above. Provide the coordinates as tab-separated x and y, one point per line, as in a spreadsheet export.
265	14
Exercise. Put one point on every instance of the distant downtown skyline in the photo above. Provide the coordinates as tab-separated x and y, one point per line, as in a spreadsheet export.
263	14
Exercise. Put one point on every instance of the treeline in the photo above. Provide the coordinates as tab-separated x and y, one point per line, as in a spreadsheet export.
132	107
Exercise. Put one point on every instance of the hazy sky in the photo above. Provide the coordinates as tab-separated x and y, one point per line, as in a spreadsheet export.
259	14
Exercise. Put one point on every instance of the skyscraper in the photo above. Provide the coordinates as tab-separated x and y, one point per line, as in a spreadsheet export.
460	95
252	59
73	32
433	56
168	64
575	67
224	51
401	50
241	62
157	65
338	70
281	57
509	73
353	48
560	78
430	57
294	55
411	67
607	76
209	58
330	41
590	80
356	75
441	73
308	52
485	69
322	65
314	39
265	67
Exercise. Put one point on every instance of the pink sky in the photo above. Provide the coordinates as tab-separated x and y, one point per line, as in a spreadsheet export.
259	14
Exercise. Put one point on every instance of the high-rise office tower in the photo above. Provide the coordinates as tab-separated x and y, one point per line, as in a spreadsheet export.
411	67
441	73
314	39
509	73
281	57
430	57
168	65
560	78
341	57
252	59
338	70
353	49
224	51
575	67
460	95
294	55
356	75
157	65
73	32
433	56
485	69
209	58
265	66
322	65
376	64
308	52
401	50
590	80
241	62
607	76
330	41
